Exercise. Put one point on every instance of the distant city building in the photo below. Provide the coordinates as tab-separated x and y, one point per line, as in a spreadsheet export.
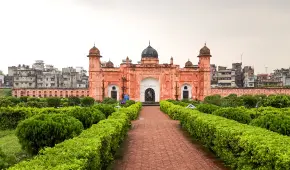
248	76
282	75
226	77
237	67
268	80
46	76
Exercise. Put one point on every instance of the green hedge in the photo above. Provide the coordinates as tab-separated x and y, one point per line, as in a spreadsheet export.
279	123
207	108
45	130
239	145
11	116
93	149
240	114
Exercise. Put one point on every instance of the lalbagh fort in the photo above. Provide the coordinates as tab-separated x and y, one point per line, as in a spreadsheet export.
143	116
147	81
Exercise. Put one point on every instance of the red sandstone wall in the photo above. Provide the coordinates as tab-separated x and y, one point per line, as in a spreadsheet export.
50	92
239	91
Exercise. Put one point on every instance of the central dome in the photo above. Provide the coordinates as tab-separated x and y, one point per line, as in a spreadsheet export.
149	52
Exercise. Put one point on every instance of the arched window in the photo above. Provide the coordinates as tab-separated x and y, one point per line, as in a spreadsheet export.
114	93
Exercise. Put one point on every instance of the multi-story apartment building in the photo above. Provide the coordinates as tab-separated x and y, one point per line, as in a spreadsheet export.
237	67
46	76
248	77
282	75
226	77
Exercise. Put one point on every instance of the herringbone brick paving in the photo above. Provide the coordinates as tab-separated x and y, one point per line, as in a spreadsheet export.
157	142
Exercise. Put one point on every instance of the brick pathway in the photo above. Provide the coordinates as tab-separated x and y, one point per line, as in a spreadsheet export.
157	142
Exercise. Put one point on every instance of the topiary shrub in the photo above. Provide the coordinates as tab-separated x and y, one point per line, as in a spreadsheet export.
74	101
276	122
240	114
14	100
23	98
44	130
4	102
53	102
107	109
108	100
87	101
214	99
11	116
87	115
249	101
278	101
207	108
129	103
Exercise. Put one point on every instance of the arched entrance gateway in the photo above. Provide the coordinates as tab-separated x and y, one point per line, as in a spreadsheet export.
149	90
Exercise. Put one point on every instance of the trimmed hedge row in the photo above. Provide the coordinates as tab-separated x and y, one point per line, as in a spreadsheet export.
11	116
239	145
94	148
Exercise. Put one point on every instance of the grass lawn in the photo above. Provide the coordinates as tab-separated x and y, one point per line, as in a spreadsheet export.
10	146
5	92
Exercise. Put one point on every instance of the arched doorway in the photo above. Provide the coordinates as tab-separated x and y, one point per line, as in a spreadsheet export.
185	92
145	85
114	93
149	95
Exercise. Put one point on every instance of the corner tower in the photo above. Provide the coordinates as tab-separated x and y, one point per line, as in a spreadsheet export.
204	71
95	76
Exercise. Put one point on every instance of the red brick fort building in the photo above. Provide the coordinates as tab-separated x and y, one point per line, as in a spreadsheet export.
149	81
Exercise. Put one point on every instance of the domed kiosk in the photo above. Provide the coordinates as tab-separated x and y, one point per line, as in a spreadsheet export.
149	56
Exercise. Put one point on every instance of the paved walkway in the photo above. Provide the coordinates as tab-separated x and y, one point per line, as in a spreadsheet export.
157	142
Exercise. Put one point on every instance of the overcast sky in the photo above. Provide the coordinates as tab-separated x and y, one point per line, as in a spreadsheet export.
61	32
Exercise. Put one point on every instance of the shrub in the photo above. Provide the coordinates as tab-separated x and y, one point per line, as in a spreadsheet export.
11	116
74	101
239	145
239	114
35	103
107	109
4	102
64	102
249	101
231	101
214	99
87	101
93	149
44	130
207	108
23	98
87	115
53	102
129	103
3	160
275	122
108	100
14	100
278	101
